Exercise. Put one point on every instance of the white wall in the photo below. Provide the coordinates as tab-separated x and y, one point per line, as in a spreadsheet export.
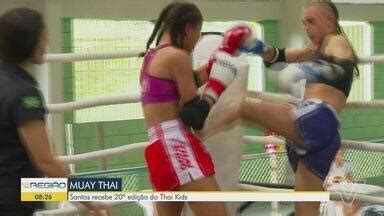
361	12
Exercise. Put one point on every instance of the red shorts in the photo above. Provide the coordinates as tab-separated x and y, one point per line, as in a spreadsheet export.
175	156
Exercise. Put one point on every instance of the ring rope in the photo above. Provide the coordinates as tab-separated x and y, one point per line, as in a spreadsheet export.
371	59
68	159
70	57
333	195
99	101
120	99
348	144
361	145
86	56
101	153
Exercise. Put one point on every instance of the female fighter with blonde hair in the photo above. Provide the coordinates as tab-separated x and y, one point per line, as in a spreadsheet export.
311	126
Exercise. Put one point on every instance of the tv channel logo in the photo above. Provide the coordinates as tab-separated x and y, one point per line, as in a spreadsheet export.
44	184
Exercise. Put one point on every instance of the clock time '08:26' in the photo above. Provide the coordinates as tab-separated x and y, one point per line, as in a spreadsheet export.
43	196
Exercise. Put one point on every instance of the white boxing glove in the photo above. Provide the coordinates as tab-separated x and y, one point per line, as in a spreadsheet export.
224	69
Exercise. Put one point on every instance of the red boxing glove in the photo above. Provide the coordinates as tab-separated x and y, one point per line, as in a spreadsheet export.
233	39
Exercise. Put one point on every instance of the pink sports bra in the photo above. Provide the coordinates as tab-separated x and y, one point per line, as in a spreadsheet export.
153	89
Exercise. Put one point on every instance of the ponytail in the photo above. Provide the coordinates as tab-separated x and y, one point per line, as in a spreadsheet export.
155	32
173	19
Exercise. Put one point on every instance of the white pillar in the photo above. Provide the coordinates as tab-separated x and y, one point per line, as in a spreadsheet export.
53	76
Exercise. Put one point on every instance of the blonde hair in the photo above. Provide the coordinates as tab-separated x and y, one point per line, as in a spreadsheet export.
329	8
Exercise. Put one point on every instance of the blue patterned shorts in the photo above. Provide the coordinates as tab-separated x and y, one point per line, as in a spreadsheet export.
318	125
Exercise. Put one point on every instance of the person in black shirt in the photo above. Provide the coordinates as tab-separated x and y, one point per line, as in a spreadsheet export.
24	147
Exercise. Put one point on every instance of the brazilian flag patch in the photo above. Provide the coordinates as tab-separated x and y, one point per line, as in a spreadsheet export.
32	102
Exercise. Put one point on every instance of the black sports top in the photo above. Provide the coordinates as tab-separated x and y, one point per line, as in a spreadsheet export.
342	82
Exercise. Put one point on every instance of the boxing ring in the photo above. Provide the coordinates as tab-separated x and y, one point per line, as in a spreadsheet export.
248	172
